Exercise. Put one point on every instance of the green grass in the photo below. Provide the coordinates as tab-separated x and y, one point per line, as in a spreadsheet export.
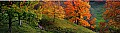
97	12
62	26
59	26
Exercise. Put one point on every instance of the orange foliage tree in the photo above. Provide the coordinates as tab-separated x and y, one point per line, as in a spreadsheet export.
112	13
76	11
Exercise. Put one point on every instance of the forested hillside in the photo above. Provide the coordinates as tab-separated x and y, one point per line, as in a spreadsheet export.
60	16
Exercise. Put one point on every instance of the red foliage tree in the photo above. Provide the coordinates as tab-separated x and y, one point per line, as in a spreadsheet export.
112	12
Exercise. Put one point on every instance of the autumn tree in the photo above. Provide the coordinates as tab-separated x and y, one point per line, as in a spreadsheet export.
76	11
53	9
112	13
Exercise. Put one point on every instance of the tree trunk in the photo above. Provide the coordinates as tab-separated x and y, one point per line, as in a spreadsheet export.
19	20
10	23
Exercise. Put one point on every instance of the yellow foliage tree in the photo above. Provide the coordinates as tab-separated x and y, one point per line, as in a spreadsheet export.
53	9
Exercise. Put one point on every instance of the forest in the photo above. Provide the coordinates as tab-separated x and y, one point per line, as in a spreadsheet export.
75	16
